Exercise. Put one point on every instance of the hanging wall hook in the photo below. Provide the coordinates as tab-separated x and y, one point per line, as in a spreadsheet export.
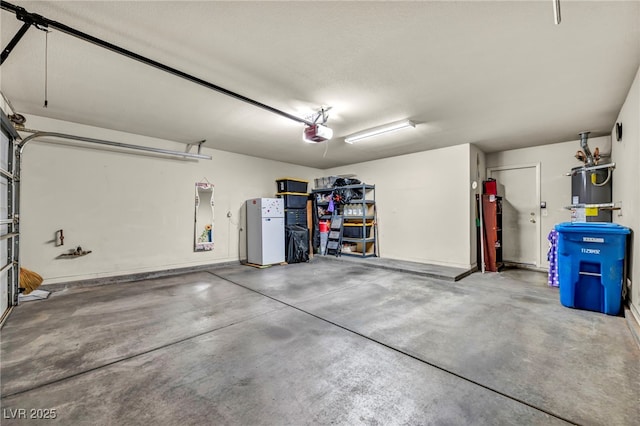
59	238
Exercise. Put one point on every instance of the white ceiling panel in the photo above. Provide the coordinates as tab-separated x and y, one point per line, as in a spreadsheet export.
497	74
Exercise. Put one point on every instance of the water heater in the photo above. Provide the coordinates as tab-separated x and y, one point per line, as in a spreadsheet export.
591	183
592	187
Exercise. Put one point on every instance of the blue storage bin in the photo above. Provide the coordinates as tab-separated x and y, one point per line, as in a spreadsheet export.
591	265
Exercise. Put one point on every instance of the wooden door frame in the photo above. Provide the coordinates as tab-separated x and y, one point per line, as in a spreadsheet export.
538	259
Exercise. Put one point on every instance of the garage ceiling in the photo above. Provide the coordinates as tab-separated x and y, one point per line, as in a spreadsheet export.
497	74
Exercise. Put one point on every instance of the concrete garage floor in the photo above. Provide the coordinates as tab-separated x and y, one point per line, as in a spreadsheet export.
321	343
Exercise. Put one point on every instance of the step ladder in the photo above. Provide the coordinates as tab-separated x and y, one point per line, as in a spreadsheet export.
334	240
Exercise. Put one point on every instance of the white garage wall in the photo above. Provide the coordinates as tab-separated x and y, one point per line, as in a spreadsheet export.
423	204
626	187
555	187
135	212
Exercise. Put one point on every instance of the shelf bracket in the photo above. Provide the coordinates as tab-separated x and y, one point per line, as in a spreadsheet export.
198	144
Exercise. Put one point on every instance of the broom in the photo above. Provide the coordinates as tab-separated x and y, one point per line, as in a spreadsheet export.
29	280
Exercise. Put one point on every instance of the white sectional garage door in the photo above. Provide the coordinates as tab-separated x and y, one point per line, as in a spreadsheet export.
9	269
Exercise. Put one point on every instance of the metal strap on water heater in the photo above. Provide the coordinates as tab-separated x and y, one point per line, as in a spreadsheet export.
591	168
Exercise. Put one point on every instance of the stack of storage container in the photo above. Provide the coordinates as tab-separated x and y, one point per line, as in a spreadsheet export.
294	193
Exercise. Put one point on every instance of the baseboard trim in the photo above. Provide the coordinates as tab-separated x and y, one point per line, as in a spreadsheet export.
525	266
116	279
633	321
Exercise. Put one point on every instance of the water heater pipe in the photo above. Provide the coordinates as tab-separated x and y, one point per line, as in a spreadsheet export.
585	147
594	180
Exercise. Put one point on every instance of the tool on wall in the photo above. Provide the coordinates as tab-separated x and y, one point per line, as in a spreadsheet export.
59	238
74	253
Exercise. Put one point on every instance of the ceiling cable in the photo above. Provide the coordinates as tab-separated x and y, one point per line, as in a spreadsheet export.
556	12
46	68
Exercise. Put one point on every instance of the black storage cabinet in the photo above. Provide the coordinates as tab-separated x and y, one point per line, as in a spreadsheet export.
295	217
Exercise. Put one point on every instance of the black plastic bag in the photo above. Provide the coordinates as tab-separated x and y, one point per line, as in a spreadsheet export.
297	243
344	195
346	181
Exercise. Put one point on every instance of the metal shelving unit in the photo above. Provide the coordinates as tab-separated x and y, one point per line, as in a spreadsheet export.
365	246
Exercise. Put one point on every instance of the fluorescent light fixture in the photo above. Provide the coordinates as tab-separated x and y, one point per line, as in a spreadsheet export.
375	131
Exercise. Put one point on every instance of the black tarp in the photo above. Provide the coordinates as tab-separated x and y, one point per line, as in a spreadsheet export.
296	243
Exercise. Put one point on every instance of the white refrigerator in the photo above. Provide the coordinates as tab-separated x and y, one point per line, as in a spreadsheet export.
265	231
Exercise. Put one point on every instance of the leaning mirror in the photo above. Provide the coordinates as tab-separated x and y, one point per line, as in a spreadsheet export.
204	217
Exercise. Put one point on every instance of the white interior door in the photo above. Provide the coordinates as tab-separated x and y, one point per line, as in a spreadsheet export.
519	187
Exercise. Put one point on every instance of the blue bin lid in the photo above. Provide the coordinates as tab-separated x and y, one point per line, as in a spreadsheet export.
591	227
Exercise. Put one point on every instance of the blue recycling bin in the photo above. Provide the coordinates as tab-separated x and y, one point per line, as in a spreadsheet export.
591	265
